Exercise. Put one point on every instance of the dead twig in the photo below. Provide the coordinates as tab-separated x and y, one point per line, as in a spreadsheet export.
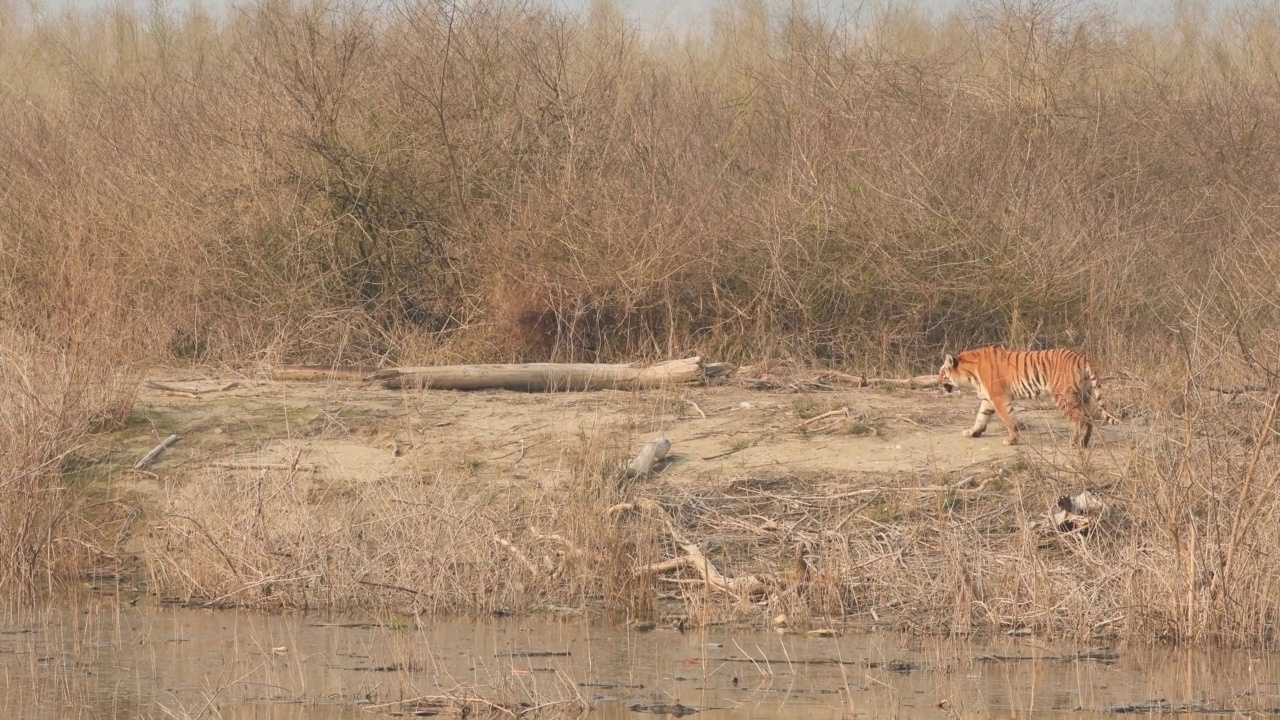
209	536
570	548
841	411
693	558
726	453
1239	390
518	554
518	451
387	586
696	407
442	700
831	375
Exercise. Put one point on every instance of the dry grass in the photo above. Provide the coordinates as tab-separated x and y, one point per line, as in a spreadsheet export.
414	181
1181	554
447	543
52	392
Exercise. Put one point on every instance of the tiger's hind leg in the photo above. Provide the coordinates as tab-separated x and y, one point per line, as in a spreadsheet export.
1072	405
1011	424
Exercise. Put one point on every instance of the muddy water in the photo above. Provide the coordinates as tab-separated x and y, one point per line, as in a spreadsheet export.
111	661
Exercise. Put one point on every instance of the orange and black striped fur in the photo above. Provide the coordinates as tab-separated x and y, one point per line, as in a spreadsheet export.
999	375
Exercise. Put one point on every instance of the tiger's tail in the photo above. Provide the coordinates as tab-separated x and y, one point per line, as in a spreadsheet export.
1097	396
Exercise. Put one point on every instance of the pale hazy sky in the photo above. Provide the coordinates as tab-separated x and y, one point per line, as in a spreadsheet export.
675	13
677	10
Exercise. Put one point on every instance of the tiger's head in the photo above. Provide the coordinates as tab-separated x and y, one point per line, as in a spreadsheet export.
950	376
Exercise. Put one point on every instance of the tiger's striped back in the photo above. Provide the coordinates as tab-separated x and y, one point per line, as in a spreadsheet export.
999	375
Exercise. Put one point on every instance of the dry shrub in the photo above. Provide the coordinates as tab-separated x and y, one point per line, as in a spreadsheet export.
417	179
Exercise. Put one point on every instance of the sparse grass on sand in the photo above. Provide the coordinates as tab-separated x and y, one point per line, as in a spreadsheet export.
1179	554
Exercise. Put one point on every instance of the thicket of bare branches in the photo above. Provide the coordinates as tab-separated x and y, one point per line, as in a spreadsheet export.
495	181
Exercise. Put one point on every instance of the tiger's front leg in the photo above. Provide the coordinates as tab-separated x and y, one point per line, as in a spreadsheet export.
985	411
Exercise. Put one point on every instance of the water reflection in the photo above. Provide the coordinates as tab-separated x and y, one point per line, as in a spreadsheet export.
106	660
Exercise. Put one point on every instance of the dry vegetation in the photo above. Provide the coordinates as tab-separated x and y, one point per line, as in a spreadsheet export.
413	181
1179	553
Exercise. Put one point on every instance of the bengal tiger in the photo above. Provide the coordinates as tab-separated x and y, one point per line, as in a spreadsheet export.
999	375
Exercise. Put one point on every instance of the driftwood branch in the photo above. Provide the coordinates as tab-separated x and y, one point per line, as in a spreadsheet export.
841	411
551	377
653	453
459	705
189	392
693	558
156	452
264	466
321	372
828	381
917	382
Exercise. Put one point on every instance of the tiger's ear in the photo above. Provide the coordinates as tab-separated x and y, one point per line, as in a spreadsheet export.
949	362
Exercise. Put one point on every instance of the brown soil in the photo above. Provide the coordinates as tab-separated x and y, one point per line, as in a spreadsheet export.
355	431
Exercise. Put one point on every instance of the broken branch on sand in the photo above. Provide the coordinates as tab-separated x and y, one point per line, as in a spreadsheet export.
693	558
156	452
552	377
650	455
841	411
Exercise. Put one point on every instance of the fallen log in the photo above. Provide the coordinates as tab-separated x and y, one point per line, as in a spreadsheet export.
551	377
